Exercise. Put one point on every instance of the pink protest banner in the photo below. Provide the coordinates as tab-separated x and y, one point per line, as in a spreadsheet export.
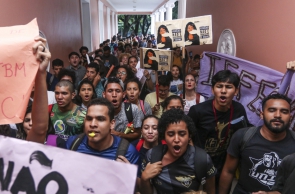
33	168
18	68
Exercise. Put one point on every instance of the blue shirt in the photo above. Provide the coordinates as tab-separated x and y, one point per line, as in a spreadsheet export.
110	153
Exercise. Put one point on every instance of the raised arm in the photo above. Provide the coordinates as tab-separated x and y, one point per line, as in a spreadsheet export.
40	103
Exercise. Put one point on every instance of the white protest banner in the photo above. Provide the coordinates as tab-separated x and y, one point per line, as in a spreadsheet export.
155	59
33	168
184	32
18	70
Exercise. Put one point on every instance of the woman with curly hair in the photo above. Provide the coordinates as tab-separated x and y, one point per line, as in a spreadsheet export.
163	37
190	34
175	169
124	73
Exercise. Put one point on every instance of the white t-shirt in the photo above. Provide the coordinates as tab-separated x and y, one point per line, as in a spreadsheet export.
173	86
190	103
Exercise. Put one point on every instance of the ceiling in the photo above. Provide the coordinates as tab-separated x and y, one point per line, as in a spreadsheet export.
136	6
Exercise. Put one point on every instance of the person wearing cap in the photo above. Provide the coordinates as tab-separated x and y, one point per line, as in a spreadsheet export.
127	128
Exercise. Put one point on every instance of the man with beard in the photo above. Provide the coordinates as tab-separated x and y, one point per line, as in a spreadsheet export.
260	154
217	119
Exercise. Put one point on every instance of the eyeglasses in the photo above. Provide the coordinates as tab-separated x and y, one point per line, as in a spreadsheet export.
121	73
163	91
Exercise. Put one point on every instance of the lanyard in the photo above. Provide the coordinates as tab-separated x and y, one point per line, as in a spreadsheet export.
218	131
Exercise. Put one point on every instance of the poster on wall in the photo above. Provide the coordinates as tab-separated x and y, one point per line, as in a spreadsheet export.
155	59
184	32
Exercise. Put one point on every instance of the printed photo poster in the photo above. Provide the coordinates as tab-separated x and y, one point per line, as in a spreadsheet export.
197	30
169	34
184	32
155	59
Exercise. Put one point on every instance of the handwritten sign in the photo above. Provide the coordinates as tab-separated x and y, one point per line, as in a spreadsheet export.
18	68
35	168
256	82
184	32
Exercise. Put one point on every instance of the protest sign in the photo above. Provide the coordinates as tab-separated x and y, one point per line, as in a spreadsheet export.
155	59
184	32
18	70
256	82
35	168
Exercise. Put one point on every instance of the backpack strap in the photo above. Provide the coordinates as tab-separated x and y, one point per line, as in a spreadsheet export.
200	164
122	148
248	134
51	140
139	144
292	134
77	141
197	98
158	153
142	106
128	111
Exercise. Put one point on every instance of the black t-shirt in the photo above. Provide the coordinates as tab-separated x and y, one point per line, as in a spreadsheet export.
142	151
207	138
179	176
259	160
286	175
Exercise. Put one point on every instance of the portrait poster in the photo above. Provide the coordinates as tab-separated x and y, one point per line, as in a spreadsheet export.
184	32
155	59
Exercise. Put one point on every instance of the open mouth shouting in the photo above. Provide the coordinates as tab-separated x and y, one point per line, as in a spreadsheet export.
222	99
176	149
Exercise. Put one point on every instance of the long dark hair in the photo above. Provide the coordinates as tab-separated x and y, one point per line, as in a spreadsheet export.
186	33
159	35
146	58
78	100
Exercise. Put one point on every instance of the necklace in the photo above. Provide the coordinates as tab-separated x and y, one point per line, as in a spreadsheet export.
219	127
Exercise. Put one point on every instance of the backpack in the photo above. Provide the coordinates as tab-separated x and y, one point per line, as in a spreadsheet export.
197	97
200	162
121	150
128	111
248	134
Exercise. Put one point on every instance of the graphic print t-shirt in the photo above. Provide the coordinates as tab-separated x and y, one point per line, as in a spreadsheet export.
203	116
259	160
179	176
67	123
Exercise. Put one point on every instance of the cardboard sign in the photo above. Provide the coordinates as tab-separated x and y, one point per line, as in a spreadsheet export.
184	32
256	82
18	70
35	168
155	59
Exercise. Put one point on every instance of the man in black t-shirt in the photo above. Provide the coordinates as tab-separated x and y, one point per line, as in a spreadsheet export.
217	119
260	156
176	172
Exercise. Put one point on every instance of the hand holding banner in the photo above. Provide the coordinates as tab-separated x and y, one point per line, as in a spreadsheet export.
18	70
33	168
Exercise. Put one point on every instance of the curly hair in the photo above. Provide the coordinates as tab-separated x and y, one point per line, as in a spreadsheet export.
175	116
